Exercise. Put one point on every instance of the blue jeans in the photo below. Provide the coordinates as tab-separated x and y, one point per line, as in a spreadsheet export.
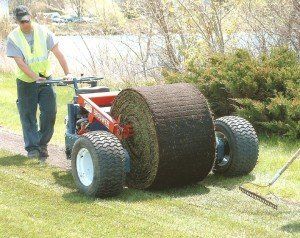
30	95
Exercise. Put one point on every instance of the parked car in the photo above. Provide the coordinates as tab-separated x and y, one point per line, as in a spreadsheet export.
50	15
58	19
79	19
88	19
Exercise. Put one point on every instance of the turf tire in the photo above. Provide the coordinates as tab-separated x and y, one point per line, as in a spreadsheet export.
108	158
243	146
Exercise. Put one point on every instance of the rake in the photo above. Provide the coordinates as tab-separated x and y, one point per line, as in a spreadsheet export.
265	200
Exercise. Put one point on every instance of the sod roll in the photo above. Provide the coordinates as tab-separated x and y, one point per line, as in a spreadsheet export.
173	142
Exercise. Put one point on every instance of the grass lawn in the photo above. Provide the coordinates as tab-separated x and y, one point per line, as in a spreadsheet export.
40	201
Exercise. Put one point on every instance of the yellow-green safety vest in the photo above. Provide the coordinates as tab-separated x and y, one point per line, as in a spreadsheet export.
38	59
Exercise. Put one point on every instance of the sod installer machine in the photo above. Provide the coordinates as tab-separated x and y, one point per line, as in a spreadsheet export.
151	138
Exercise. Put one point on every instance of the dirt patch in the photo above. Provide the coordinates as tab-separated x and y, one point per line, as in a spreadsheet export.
13	142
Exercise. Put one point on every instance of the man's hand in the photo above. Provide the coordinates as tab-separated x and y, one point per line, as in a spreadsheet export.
68	77
40	79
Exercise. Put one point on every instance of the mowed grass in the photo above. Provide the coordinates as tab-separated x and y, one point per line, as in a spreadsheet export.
40	201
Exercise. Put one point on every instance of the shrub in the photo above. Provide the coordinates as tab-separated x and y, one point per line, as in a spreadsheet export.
264	89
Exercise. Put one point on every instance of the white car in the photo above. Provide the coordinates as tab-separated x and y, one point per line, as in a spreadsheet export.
57	19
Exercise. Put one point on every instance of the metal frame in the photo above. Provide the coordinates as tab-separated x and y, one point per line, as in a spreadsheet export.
96	104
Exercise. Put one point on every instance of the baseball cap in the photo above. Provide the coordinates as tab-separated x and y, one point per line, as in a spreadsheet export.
22	13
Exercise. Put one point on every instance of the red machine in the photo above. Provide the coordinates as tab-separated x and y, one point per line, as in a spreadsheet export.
103	159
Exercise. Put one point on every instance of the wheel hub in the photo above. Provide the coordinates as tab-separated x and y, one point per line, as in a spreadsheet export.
223	150
85	167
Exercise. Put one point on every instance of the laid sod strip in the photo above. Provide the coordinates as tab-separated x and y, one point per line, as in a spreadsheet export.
42	201
173	142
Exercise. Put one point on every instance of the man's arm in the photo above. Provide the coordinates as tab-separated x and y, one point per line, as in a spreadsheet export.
24	67
61	59
14	52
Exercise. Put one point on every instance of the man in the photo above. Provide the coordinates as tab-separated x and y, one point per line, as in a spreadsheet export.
29	45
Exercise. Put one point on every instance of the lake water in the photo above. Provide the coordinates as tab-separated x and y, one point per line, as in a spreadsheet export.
118	56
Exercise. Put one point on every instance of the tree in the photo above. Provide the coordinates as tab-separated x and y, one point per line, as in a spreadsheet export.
190	25
274	23
78	6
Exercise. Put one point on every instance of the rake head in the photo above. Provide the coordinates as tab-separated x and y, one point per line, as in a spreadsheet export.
258	197
275	178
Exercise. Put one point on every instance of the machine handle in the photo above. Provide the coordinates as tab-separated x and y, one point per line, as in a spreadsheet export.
62	82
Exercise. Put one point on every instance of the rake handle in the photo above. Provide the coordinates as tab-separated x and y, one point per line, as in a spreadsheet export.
281	171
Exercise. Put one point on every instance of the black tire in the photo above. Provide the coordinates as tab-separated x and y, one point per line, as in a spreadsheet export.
108	159
241	146
174	142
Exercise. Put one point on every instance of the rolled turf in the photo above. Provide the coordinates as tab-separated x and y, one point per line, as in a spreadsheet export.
173	142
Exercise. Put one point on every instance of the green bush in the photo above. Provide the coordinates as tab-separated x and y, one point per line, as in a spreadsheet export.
264	89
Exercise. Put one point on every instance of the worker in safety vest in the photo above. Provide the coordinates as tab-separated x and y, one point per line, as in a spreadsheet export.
29	45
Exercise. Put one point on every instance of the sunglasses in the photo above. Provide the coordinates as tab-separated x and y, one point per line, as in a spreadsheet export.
25	21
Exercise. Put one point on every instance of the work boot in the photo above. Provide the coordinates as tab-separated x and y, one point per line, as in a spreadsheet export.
43	154
33	154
